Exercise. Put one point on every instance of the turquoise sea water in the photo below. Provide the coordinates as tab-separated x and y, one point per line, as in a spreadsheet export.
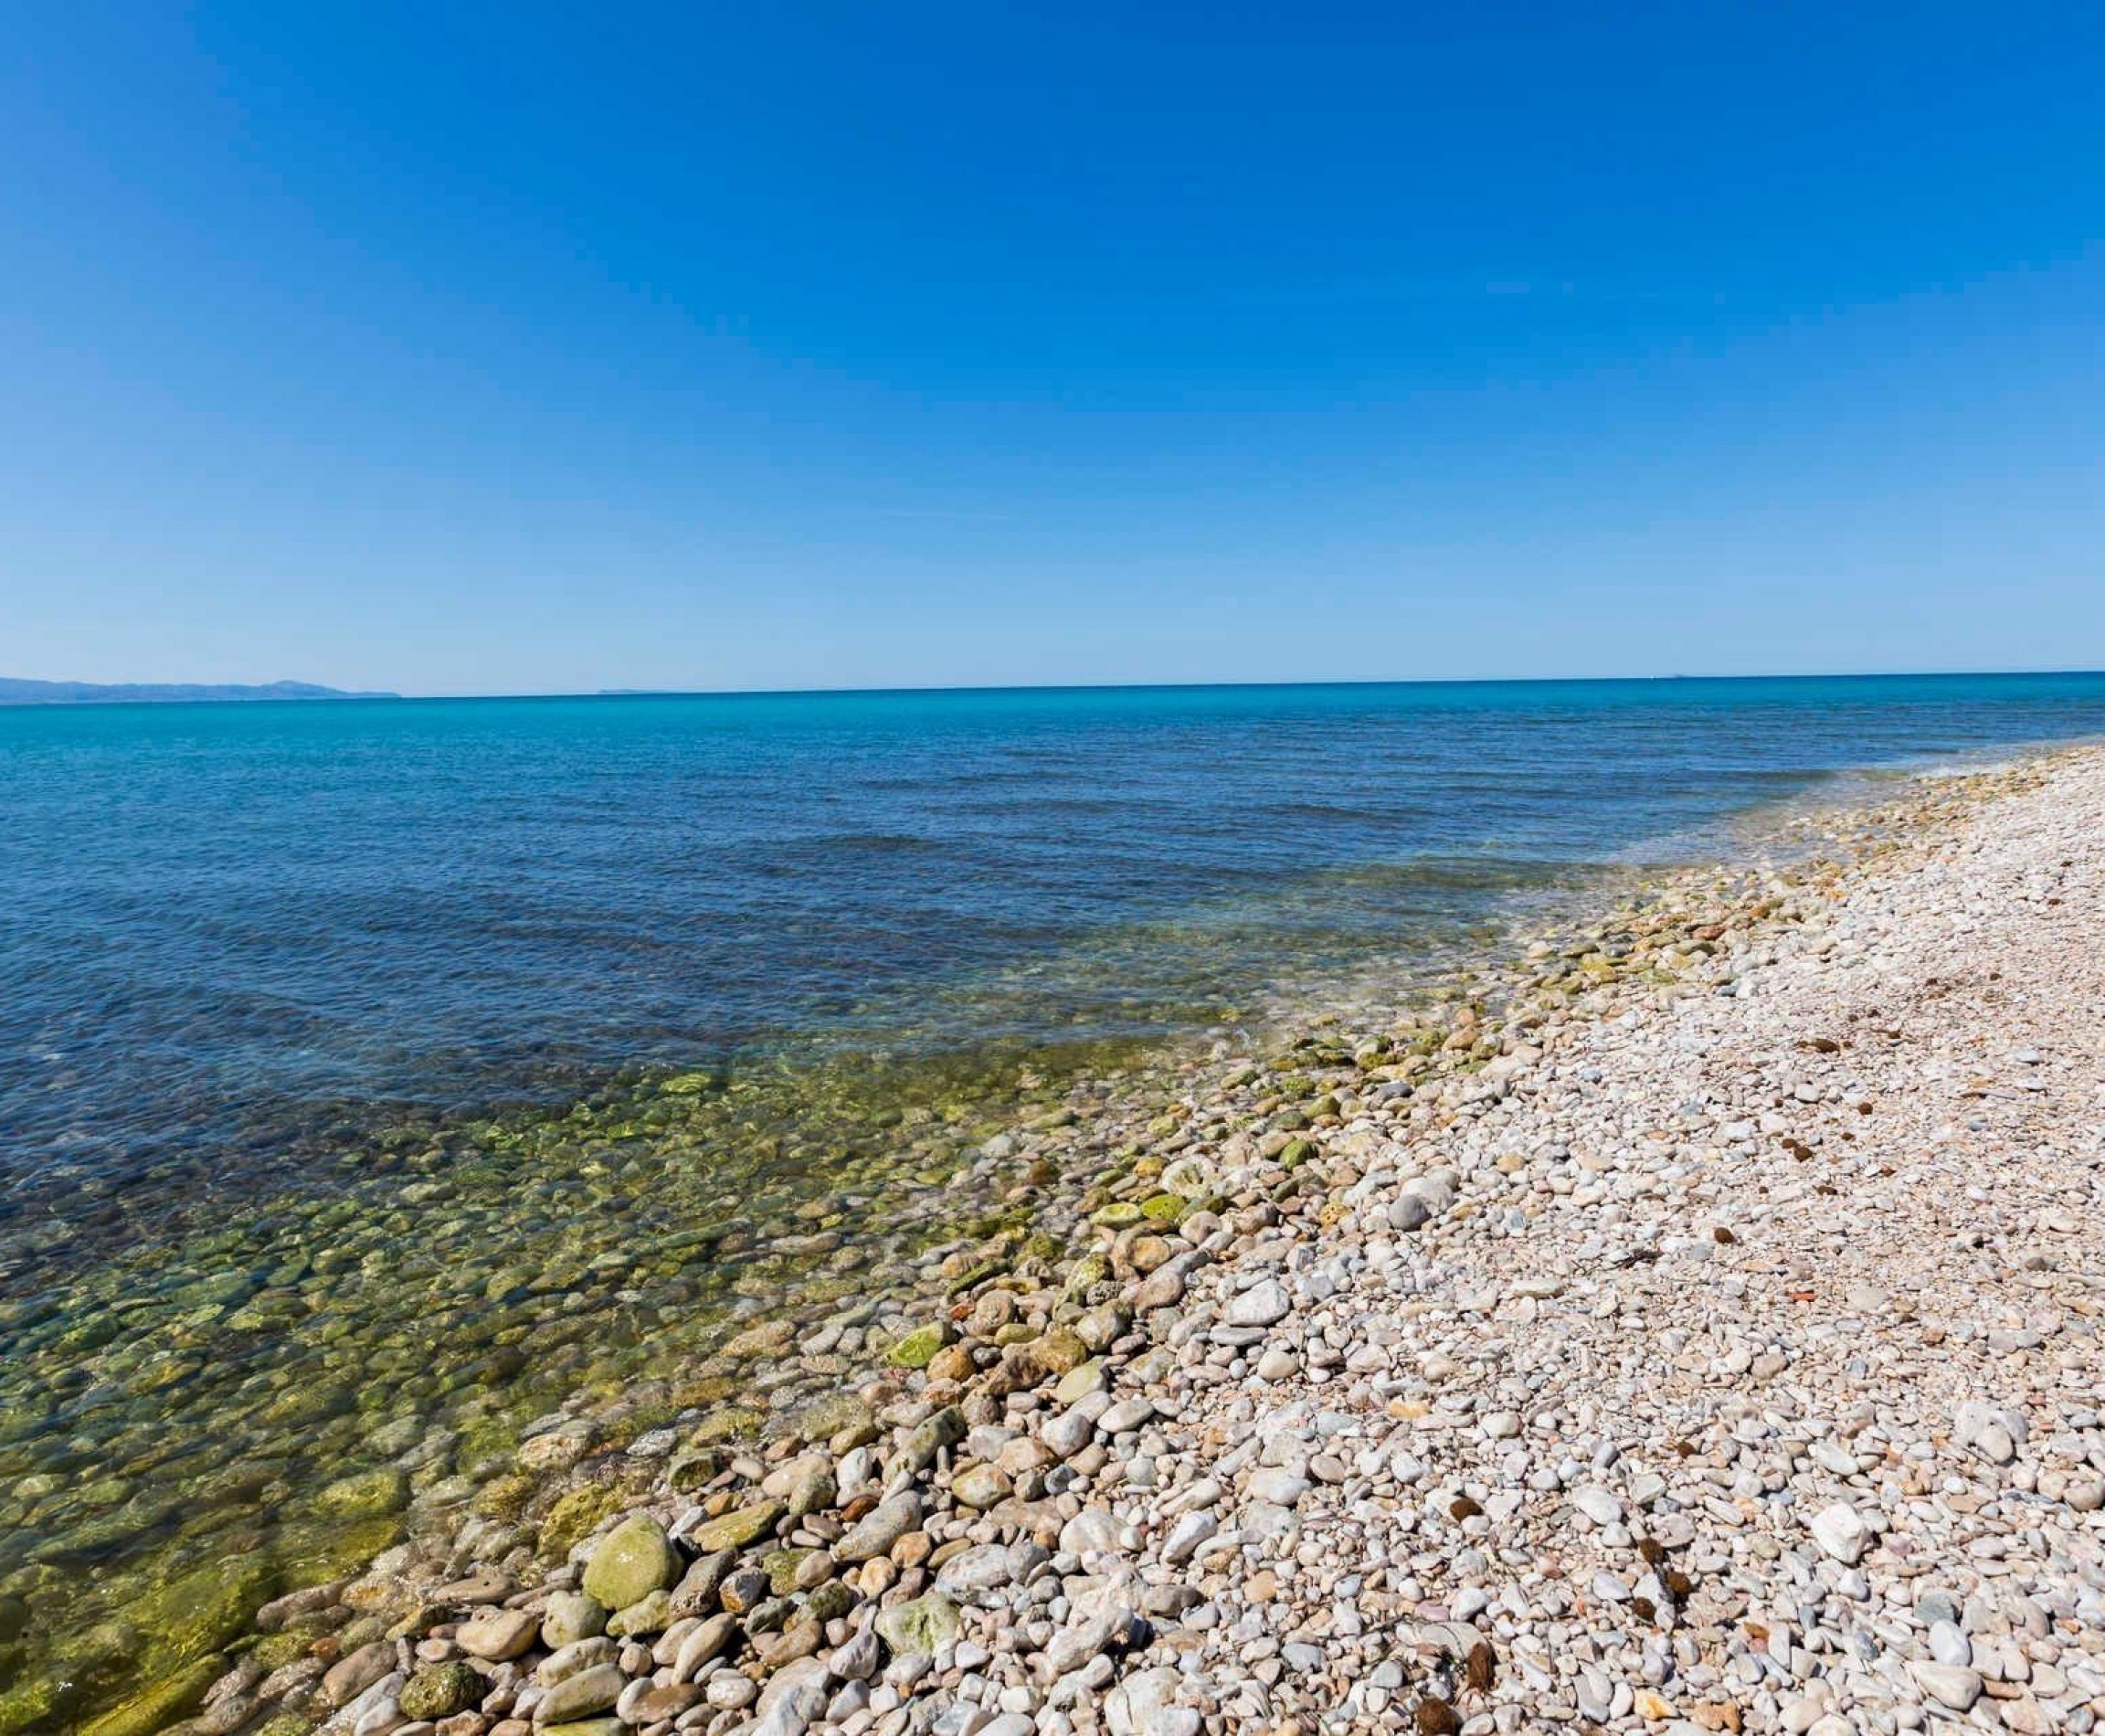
230	930
336	1139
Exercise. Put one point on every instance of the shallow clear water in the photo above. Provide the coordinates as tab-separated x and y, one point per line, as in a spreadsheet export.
268	972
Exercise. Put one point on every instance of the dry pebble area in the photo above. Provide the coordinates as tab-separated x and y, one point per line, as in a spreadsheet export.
1702	1335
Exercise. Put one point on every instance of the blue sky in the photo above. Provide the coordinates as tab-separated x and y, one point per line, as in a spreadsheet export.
520	348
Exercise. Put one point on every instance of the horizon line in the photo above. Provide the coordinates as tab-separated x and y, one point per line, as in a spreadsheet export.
369	696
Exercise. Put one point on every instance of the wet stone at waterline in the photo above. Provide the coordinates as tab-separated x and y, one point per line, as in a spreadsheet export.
191	1424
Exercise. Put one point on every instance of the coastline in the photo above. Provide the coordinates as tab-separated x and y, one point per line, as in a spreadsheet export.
1209	1167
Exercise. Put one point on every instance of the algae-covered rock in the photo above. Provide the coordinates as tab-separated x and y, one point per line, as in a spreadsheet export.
161	1704
918	1347
575	1514
834	1414
650	1615
829	1602
585	1694
726	1423
1087	1273
767	1337
439	1690
737	1528
506	1497
366	1494
781	1565
202	1611
690	1471
1059	1349
919	1629
631	1561
274	1651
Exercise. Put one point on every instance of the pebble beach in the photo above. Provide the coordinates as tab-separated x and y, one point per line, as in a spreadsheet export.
1688	1323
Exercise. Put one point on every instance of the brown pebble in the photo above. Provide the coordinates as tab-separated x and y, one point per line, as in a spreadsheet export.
1436	1718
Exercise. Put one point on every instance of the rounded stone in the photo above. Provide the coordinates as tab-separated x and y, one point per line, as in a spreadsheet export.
439	1690
630	1563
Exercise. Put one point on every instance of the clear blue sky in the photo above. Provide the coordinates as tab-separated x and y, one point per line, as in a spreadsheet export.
520	347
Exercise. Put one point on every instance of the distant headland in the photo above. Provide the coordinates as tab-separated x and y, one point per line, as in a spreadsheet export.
15	692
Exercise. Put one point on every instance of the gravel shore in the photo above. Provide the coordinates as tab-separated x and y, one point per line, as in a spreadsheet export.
1694	1327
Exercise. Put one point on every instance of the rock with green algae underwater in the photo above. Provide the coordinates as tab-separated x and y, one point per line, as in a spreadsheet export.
631	1561
365	1495
161	1704
575	1515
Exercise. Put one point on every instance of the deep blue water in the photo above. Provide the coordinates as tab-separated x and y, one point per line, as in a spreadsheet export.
227	928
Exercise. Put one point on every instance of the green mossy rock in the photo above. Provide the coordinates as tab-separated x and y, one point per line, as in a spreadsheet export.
834	1415
1087	1273
368	1494
161	1704
918	1347
781	1565
650	1615
631	1561
1059	1349
29	1706
439	1690
506	1497
737	1529
274	1651
201	1611
574	1514
726	1423
829	1602
690	1471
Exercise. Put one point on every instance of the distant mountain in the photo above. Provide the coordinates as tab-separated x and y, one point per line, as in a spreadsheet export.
88	692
